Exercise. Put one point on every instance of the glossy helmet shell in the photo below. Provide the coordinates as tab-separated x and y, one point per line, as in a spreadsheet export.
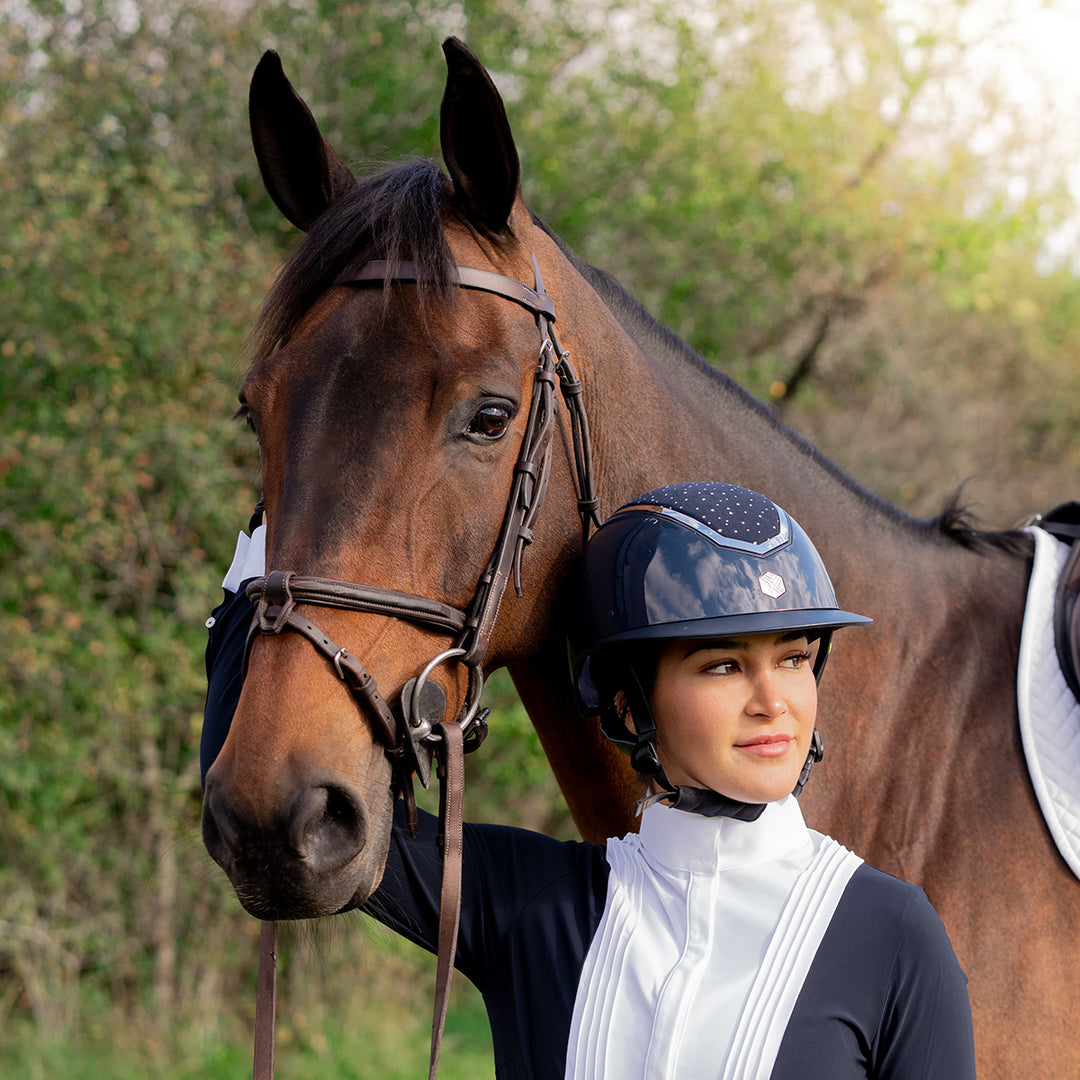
698	560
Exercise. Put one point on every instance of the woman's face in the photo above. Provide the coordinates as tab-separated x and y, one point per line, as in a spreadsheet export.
736	716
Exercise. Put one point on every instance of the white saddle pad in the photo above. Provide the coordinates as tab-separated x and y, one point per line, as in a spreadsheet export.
1049	714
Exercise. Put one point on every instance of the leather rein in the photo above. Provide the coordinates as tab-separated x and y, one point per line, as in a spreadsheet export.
423	732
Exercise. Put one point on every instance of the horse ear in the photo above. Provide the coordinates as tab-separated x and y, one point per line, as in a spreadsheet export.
299	167
477	145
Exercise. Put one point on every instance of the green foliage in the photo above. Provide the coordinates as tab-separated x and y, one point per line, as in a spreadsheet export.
757	202
128	280
326	1027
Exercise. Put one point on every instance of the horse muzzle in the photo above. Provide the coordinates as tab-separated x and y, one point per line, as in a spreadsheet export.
320	852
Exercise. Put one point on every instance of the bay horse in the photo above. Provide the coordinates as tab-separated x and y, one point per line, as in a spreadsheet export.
389	414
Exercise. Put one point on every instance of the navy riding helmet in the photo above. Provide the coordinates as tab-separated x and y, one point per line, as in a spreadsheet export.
695	560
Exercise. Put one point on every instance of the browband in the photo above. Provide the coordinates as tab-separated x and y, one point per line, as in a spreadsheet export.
468	277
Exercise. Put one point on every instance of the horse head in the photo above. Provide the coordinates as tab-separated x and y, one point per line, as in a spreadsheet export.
391	405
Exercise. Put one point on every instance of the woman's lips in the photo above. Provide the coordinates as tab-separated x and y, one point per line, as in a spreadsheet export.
766	745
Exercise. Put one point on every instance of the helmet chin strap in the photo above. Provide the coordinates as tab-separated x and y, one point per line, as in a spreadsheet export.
817	752
701	801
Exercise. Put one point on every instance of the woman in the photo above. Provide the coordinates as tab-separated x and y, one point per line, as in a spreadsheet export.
725	939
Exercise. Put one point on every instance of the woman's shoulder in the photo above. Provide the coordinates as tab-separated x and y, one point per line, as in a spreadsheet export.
890	895
895	914
886	942
886	892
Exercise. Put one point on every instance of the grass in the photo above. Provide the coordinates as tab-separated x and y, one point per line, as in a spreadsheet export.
352	1005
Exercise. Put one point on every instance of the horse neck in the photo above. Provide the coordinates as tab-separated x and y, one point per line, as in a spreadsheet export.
661	414
732	437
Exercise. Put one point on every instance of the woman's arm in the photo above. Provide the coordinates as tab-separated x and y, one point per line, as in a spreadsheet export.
926	1030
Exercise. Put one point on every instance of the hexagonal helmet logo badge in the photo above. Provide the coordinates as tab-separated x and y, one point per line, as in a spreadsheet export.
772	585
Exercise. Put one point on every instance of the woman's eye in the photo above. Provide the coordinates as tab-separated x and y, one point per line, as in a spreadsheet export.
797	660
725	667
491	421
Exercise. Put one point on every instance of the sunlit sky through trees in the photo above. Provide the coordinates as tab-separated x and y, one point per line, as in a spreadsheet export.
1007	82
1026	50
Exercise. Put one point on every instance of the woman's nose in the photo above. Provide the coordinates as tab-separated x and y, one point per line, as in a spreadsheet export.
765	696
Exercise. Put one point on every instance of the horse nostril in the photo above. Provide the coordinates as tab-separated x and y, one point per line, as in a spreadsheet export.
220	834
328	827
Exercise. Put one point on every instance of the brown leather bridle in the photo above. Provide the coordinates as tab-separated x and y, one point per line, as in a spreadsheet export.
423	732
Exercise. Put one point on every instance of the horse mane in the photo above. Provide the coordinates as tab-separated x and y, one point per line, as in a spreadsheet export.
394	214
956	523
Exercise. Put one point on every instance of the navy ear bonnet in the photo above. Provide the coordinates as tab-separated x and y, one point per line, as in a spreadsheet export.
693	560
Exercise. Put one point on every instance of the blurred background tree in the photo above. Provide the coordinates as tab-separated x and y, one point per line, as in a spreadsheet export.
820	197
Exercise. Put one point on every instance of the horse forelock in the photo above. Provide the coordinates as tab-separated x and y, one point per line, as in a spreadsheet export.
395	214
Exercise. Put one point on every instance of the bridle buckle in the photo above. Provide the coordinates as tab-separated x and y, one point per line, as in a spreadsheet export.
337	663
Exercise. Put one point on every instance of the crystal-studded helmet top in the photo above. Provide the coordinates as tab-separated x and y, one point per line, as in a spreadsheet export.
697	560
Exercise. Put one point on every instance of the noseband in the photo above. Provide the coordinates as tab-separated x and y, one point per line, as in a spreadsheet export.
423	731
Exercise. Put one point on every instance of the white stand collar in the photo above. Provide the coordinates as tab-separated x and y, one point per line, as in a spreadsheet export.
690	842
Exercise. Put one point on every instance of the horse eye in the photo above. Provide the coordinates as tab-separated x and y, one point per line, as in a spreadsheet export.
490	422
248	417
